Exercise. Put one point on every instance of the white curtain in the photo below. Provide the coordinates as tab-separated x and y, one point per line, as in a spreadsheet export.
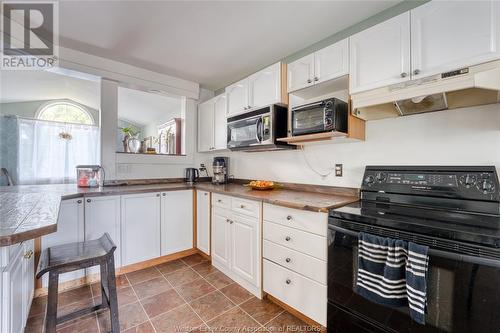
48	152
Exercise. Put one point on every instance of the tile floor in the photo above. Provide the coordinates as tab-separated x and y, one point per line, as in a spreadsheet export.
183	295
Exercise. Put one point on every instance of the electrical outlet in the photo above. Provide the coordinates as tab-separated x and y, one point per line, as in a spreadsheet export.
338	170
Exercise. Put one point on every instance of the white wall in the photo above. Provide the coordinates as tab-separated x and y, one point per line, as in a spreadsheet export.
468	136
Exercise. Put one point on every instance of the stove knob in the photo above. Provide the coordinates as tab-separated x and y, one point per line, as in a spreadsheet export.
487	186
369	180
328	121
468	180
381	177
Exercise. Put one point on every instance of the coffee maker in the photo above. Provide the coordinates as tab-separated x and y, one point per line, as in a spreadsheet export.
220	168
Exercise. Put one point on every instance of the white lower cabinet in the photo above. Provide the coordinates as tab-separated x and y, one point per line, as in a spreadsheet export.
203	221
176	221
16	282
295	259
236	241
102	214
140	227
70	228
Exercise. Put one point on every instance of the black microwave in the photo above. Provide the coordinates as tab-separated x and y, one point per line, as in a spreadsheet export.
323	116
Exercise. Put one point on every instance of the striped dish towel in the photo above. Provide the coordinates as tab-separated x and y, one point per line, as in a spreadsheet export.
393	273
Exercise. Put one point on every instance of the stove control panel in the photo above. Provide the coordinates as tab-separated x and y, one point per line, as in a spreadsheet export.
463	182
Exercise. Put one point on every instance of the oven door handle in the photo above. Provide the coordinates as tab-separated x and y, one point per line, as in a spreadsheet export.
435	252
258	133
307	106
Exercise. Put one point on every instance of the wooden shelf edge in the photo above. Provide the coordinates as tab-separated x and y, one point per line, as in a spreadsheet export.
309	138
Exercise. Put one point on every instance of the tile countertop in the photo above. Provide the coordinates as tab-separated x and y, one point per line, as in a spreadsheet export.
31	211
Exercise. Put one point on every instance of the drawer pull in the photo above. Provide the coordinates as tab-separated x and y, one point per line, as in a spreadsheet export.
28	254
227	220
79	201
288	259
242	206
287	238
289	217
158	194
88	200
205	194
164	194
219	200
288	281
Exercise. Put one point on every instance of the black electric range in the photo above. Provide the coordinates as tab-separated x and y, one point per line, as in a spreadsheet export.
453	210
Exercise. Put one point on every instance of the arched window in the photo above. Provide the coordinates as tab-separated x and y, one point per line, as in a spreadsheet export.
65	111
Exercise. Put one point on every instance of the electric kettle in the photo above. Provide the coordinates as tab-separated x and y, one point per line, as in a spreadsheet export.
191	175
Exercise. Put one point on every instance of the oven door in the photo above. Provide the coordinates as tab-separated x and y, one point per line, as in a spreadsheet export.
308	119
244	132
462	296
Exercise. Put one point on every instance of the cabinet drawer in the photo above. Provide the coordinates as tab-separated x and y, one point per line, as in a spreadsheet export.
301	293
294	239
245	207
316	223
222	201
308	266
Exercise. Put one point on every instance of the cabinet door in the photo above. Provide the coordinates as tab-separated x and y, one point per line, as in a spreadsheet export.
28	276
301	73
265	86
221	238
176	221
140	232
237	97
380	55
245	248
70	229
206	126
448	35
203	221
332	61
220	122
15	301
102	214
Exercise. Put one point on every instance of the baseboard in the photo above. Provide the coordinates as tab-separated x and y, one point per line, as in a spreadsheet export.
63	286
294	312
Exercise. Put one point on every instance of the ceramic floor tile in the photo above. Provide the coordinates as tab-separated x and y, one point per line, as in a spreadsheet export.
218	280
38	306
171	266
211	305
151	287
82	304
286	322
146	327
74	295
194	259
235	320
89	325
194	289
236	293
121	282
261	310
125	296
161	303
181	319
35	324
204	268
130	315
182	276
143	275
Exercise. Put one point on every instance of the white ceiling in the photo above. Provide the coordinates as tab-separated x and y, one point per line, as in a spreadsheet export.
213	43
25	86
143	108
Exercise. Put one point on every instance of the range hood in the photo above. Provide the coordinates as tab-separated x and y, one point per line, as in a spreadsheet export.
471	86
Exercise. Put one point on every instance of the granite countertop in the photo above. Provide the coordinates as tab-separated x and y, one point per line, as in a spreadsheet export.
31	211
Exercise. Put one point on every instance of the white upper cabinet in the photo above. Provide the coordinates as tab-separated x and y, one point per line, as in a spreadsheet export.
447	35
220	123
258	90
237	97
380	55
264	86
331	62
206	126
301	73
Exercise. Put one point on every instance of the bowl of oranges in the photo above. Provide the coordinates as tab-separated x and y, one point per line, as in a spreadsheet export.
261	185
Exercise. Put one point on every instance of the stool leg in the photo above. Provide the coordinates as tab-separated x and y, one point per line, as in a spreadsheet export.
113	302
51	313
104	284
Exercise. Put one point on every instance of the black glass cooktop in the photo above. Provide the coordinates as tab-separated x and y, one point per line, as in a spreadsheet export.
480	229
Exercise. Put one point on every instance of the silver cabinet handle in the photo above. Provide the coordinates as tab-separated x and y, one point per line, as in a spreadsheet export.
289	217
242	206
288	281
79	201
88	200
227	220
288	259
231	221
249	107
309	80
28	254
205	194
316	78
219	200
287	238
158	194
416	72
404	74
164	194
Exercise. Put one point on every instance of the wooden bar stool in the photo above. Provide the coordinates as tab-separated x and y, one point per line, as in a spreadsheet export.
74	256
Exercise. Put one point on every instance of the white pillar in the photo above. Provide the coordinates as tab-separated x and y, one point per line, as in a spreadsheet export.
109	123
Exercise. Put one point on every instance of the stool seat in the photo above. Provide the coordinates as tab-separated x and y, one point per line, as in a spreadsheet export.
75	256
